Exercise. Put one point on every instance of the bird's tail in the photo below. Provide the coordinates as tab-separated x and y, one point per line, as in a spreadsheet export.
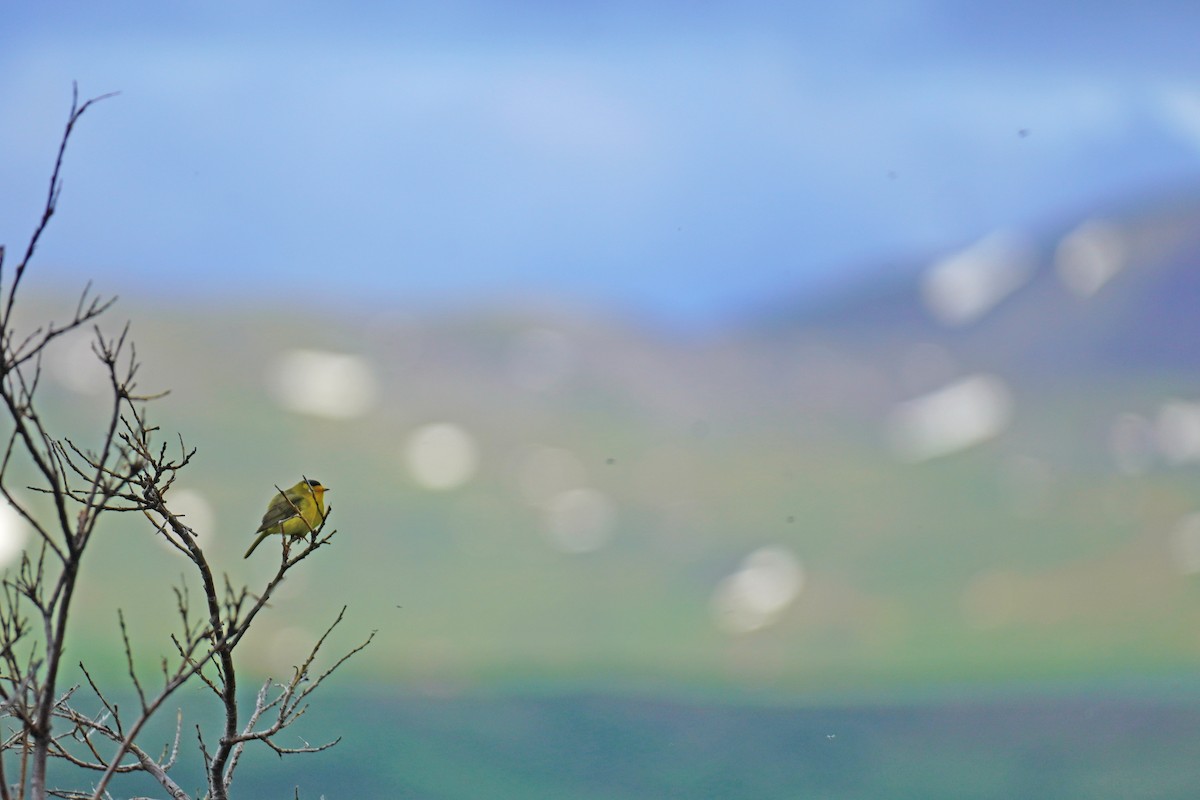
256	543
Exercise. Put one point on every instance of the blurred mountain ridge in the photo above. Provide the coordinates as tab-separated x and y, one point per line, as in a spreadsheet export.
1141	318
981	469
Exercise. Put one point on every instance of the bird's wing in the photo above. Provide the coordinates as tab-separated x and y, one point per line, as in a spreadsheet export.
279	511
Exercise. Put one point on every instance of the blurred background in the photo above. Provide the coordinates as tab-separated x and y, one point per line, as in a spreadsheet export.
717	401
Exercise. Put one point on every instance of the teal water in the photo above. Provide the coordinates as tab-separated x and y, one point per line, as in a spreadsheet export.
597	747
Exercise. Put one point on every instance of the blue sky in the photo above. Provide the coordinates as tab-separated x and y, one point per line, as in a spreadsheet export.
682	161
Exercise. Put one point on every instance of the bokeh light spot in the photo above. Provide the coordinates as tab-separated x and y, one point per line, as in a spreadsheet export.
953	418
1089	256
580	520
14	533
195	511
324	384
75	366
963	287
1177	431
754	596
441	456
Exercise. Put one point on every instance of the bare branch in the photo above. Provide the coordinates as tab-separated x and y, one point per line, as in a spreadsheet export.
77	111
125	468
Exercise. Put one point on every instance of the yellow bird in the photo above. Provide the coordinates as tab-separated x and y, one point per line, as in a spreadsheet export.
296	512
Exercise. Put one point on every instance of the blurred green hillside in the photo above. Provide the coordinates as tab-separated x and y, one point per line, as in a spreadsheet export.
801	503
